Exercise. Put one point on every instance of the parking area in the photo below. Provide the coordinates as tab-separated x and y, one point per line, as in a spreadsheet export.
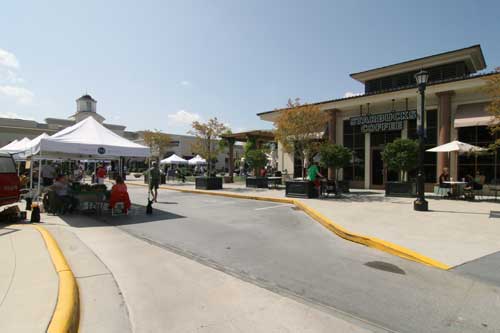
281	249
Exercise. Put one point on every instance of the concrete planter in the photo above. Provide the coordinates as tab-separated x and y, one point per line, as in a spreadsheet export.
257	182
208	183
401	189
300	189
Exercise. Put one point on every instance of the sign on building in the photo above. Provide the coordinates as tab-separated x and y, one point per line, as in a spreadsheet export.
382	122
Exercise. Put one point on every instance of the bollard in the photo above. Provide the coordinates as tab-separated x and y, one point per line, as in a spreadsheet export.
149	207
35	213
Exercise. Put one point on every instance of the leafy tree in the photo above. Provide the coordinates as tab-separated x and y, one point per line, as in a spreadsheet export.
401	155
334	156
157	141
256	159
493	90
299	129
206	143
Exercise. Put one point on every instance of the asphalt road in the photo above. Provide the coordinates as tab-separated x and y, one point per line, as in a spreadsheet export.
282	249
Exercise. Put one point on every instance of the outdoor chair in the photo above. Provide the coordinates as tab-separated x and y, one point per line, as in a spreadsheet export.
119	209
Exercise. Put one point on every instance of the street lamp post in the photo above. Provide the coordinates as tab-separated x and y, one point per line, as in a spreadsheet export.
420	204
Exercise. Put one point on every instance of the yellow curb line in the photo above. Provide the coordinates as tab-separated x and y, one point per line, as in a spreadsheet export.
66	316
340	231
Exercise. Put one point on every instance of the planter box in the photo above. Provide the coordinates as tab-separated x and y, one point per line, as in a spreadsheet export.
257	182
401	189
227	179
300	189
208	183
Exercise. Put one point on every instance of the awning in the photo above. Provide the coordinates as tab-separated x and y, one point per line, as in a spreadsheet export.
475	114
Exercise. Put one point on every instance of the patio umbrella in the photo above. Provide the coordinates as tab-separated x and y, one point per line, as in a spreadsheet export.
457	146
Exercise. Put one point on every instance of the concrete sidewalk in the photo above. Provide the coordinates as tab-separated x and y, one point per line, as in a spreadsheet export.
28	280
166	292
452	232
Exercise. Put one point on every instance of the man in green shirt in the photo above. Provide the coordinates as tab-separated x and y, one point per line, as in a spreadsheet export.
313	174
154	180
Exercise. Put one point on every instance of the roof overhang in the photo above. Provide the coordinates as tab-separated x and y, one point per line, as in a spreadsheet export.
265	135
472	56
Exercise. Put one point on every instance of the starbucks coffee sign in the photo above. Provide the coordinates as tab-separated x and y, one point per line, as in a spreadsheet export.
382	122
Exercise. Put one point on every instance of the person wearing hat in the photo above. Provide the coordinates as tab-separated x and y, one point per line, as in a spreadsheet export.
154	180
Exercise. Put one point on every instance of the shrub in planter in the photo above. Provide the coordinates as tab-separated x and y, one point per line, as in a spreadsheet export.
401	156
256	160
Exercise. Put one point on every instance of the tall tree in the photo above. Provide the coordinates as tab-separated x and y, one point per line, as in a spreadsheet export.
299	129
493	90
207	134
157	141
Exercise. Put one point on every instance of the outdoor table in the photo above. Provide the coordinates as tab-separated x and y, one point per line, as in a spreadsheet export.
91	201
274	181
456	187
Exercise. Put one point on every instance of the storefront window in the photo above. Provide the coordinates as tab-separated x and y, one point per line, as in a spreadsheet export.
354	139
430	159
468	164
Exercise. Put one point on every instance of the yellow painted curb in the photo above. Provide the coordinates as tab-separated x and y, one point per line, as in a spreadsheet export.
66	316
340	231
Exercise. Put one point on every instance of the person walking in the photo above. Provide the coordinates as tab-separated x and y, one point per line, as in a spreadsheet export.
154	180
313	175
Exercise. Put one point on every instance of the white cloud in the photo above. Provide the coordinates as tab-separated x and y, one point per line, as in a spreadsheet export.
10	76
8	59
20	94
14	115
183	117
185	83
351	94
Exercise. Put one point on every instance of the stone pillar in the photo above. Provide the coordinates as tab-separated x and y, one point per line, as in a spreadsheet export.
332	136
444	124
231	159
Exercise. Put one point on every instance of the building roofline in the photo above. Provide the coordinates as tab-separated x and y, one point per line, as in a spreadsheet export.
470	77
476	46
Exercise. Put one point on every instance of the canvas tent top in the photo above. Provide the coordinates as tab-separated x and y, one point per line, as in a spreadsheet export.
173	159
16	147
197	160
9	146
88	139
29	148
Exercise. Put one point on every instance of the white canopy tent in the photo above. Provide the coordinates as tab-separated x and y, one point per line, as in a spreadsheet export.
87	139
9	146
30	147
197	160
174	159
16	147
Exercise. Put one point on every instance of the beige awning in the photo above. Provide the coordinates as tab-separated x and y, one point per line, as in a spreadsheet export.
473	115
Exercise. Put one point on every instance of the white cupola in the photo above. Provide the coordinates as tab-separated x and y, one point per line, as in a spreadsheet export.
86	107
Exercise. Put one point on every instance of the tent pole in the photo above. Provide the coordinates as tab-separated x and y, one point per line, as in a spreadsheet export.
39	177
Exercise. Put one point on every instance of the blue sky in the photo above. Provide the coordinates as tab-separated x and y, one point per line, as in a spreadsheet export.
162	64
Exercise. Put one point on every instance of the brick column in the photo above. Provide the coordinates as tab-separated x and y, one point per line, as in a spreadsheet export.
332	135
444	125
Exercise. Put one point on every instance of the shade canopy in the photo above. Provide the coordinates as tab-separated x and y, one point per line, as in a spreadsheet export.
16	146
456	146
30	147
173	159
197	160
88	139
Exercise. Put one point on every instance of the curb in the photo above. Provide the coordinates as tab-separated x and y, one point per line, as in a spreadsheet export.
340	231
66	316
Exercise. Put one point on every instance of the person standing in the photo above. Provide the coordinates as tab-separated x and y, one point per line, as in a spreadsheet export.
154	180
48	174
101	174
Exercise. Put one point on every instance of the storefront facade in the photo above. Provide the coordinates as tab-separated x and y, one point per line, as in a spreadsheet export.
455	110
